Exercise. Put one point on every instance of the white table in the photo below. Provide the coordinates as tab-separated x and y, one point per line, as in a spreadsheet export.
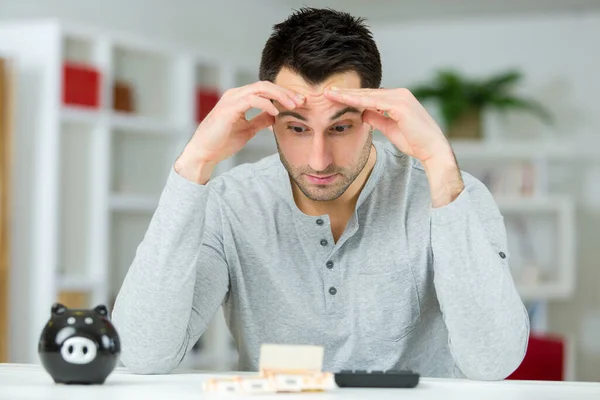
21	381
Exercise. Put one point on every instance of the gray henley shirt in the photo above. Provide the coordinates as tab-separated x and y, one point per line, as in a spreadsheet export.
407	286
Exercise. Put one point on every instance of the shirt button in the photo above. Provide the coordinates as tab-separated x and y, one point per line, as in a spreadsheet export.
502	255
323	242
319	221
329	264
332	291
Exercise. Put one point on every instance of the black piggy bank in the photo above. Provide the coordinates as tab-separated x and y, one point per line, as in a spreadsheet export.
79	346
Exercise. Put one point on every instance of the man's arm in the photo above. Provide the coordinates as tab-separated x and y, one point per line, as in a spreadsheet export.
487	322
176	282
179	276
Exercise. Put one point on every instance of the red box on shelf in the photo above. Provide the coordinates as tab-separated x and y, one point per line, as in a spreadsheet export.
206	99
81	85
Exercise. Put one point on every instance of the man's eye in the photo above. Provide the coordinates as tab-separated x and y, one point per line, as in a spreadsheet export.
297	129
342	128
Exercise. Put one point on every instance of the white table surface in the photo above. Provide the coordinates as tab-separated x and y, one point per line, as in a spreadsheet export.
22	381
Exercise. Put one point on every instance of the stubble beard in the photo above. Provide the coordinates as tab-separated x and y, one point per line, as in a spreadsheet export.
346	176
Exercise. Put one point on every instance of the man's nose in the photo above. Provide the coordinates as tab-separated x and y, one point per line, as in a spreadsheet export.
320	155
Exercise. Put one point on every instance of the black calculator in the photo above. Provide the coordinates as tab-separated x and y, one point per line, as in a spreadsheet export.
376	379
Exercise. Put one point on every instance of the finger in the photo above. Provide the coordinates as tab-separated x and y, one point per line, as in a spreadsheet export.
269	90
261	103
362	99
369	91
260	122
380	122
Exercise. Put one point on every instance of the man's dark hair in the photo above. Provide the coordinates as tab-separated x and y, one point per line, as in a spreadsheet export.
317	43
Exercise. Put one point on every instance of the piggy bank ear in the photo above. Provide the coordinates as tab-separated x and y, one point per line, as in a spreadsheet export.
101	309
58	309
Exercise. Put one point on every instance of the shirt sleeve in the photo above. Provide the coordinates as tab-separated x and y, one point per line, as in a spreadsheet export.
176	282
486	319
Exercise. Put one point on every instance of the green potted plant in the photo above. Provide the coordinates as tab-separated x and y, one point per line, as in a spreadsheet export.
462	100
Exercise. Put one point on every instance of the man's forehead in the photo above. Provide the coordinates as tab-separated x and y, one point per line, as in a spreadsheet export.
316	103
293	81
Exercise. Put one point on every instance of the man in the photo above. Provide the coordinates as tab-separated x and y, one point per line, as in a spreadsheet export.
385	254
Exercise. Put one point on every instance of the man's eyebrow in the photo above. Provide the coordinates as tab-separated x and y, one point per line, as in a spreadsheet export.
288	113
338	114
343	111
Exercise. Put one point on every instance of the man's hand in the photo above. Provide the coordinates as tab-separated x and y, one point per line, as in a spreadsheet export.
225	130
406	123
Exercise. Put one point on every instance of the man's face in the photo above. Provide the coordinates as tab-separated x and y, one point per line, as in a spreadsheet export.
323	145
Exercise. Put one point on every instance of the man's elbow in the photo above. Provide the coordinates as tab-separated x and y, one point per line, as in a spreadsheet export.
142	354
494	371
147	366
499	363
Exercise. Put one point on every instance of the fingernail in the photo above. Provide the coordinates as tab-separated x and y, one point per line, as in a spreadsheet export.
299	97
334	88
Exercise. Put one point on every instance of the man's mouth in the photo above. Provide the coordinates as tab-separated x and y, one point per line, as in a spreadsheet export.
321	180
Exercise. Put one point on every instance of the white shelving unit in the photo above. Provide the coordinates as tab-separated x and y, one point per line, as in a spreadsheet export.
98	173
540	223
560	210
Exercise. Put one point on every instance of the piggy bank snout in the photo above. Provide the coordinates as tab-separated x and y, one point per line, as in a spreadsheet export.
78	350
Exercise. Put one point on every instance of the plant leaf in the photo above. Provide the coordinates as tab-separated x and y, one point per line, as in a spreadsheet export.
510	102
502	82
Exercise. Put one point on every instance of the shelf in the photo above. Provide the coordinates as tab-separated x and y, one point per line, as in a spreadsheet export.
133	203
142	124
117	120
506	150
535	204
77	114
543	291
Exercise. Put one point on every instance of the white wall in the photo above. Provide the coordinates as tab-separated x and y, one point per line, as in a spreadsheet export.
235	30
560	57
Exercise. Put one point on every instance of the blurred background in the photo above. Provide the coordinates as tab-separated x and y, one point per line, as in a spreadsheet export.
98	98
